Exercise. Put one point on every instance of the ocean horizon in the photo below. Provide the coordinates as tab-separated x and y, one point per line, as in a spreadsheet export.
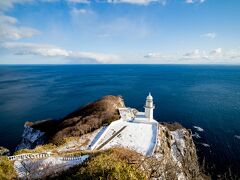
203	98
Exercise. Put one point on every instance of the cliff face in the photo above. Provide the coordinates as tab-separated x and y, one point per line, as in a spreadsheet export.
175	155
31	138
4	151
174	158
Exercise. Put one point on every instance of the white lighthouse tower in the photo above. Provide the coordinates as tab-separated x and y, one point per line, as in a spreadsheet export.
149	107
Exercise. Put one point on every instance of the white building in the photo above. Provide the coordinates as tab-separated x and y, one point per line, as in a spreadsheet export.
134	130
149	107
147	115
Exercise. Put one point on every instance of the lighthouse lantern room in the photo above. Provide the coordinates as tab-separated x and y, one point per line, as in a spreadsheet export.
149	106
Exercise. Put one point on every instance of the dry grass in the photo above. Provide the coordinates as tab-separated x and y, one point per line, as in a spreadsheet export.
38	149
6	169
117	164
87	119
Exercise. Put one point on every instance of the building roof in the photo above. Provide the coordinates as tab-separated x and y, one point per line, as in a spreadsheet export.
149	97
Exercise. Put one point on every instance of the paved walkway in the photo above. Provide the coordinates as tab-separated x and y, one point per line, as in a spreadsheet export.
109	139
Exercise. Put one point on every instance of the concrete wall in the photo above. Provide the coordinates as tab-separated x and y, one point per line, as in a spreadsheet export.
29	156
72	158
155	140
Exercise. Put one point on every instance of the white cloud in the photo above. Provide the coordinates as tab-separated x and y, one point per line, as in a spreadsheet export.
218	55
8	4
211	35
48	1
18	48
138	2
216	51
79	1
76	11
194	1
196	54
11	30
189	1
7	19
154	55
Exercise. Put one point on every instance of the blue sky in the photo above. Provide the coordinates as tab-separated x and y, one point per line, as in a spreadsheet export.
119	31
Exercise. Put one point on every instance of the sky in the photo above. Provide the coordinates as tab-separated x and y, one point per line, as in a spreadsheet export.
120	32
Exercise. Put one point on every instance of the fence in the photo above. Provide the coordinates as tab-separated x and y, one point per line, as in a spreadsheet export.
72	158
29	156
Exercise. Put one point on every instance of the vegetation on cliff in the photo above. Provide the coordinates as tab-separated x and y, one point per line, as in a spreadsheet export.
116	163
6	169
37	149
88	118
4	151
84	120
174	158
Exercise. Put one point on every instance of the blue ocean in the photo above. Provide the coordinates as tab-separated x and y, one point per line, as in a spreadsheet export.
204	96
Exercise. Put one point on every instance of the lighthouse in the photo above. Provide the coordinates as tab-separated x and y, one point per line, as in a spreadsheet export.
149	107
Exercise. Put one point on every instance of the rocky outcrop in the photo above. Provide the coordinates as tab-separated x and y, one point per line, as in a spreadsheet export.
174	158
84	120
31	138
175	155
88	118
4	151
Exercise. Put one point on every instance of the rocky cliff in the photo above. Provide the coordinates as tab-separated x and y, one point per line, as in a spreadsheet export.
88	118
31	138
174	157
4	151
84	120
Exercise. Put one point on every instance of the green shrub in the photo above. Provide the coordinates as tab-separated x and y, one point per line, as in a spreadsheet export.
6	169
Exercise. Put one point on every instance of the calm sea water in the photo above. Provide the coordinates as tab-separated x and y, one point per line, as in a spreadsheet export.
204	96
